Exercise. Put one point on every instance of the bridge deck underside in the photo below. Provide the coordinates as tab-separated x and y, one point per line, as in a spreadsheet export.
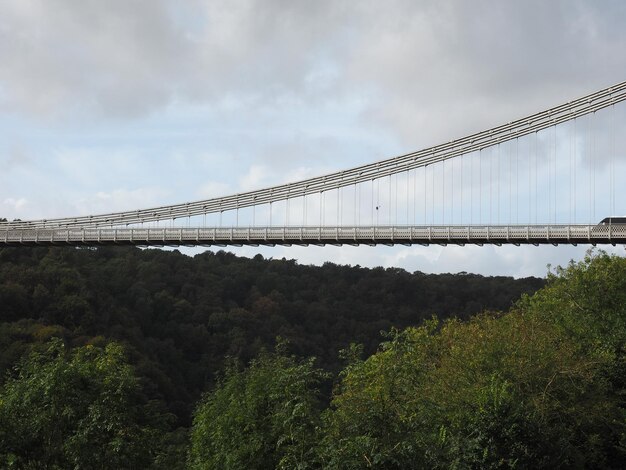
372	235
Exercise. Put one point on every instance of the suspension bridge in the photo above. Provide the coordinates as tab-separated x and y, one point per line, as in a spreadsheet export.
548	178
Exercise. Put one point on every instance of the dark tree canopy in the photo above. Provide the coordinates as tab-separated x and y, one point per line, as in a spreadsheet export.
79	409
455	382
178	316
537	387
265	416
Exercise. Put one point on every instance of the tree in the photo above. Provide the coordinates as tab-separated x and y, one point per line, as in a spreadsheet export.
514	390
541	386
378	408
262	417
588	301
179	316
76	409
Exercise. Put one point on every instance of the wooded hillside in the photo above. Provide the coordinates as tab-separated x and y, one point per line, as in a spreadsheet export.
179	317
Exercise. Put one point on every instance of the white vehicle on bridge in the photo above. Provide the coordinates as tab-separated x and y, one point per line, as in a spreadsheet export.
613	220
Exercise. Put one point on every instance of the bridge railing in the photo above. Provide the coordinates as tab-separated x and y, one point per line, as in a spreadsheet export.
498	234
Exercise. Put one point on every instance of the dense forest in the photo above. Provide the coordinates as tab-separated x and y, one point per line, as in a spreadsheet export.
128	358
179	317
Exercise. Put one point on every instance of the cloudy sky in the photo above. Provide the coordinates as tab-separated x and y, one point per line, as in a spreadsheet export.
126	104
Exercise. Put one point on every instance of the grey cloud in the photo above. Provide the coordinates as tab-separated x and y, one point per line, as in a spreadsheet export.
127	58
115	57
457	67
427	70
15	157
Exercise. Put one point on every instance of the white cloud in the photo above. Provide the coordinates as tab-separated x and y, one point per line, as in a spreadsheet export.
298	174
14	203
13	208
255	177
119	200
213	189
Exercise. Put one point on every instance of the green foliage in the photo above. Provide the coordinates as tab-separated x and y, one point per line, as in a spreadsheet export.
542	386
76	409
539	387
588	300
374	422
178	317
514	391
262	417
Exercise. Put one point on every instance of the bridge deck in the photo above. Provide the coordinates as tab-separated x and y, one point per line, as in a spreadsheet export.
365	235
